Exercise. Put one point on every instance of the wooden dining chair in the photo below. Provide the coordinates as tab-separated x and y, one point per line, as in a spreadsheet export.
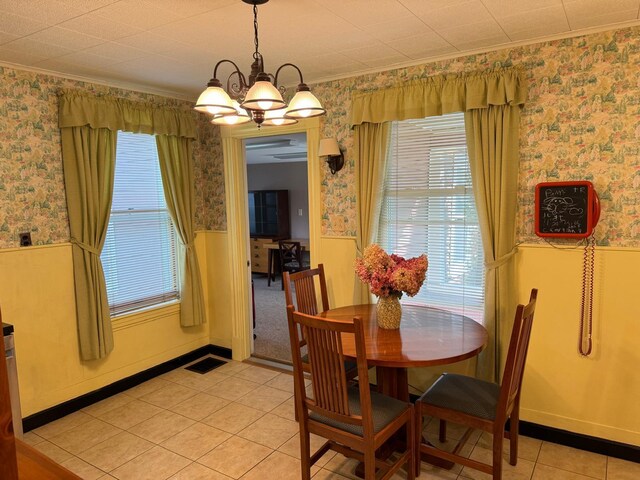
354	420
478	404
306	301
290	258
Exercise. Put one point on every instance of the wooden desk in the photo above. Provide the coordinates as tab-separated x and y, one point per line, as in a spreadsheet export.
427	336
271	247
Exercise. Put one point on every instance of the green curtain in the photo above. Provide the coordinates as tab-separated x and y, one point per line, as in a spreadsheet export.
88	156
491	101
175	154
88	126
438	95
370	142
492	139
76	110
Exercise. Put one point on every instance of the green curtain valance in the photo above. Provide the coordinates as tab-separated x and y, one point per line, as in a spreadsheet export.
76	110
439	95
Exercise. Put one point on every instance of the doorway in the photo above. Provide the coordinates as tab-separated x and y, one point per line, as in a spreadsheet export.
278	204
238	223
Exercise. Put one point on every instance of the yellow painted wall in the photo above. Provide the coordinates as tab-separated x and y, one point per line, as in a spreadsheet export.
338	255
595	396
37	297
218	290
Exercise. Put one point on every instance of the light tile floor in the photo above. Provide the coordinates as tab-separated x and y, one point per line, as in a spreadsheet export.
237	422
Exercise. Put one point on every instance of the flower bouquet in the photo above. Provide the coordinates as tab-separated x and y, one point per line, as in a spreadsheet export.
389	276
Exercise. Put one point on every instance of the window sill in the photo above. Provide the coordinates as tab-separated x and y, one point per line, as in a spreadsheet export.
145	315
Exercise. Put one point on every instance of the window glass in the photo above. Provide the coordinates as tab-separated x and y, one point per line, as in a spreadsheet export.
428	206
139	255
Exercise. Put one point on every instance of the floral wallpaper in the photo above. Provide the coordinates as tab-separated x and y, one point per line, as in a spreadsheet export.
581	122
209	176
32	195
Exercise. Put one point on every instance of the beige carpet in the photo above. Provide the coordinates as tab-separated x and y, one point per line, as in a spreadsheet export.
272	333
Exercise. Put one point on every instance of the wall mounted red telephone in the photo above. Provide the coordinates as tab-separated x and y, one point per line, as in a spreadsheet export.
572	210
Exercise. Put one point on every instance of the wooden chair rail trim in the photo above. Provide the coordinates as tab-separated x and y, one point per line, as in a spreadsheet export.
436	452
383	435
337	435
455	417
350	419
320	452
383	466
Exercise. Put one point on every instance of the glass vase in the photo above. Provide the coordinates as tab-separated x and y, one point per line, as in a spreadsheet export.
389	312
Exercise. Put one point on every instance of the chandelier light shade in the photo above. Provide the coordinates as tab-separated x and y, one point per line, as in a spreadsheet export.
277	118
259	98
214	100
238	117
304	105
263	96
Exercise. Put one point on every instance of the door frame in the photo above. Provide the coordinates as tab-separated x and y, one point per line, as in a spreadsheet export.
235	180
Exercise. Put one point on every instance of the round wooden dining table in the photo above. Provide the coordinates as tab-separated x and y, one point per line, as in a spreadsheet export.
427	336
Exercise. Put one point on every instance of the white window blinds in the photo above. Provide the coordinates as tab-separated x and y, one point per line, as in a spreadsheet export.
428	206
139	255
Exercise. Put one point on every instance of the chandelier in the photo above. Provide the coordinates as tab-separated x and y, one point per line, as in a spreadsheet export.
258	99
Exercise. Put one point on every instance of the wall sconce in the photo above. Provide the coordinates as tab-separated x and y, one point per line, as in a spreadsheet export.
329	148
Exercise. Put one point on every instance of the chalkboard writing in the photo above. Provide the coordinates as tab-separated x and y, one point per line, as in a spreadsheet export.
565	209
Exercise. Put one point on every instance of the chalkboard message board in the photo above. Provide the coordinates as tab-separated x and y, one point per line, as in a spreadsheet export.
566	209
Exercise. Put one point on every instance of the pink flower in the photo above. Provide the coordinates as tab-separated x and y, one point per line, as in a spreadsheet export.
391	274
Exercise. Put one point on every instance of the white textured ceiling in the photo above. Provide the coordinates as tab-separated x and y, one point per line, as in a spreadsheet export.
171	46
276	149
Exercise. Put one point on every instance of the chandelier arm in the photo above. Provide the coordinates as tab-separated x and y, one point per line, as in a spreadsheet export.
238	72
288	65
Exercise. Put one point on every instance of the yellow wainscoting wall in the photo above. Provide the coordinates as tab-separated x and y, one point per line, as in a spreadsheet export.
596	395
37	297
219	286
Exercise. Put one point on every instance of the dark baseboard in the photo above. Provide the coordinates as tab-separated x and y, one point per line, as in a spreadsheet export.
575	440
220	351
583	442
54	413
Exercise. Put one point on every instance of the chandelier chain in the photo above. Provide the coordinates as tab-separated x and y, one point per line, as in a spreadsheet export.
256	55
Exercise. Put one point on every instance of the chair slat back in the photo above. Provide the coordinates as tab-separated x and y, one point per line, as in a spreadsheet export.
304	283
328	376
517	355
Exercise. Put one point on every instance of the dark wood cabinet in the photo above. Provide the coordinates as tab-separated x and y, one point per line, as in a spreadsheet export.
269	214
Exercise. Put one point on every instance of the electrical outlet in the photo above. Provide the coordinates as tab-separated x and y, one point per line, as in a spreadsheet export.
299	212
25	239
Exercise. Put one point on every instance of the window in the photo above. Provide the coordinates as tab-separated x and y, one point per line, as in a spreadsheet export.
139	255
428	206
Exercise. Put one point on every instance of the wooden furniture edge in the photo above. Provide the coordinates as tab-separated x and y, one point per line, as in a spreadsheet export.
33	465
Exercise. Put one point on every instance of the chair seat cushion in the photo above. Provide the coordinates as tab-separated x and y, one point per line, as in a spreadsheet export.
464	394
385	409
